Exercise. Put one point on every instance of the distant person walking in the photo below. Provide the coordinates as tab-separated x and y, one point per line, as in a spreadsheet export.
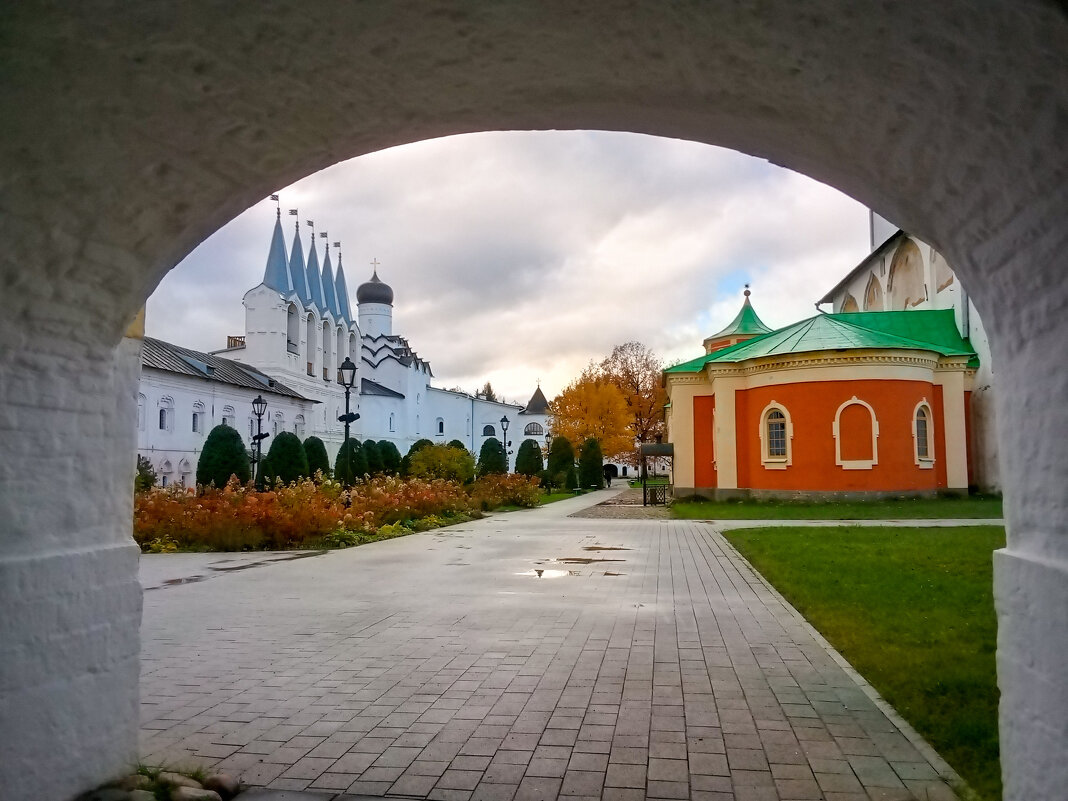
608	476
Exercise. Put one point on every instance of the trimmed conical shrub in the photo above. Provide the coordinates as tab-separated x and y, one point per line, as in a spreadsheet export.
591	465
285	460
223	456
315	450
391	458
350	465
528	459
373	456
561	456
492	459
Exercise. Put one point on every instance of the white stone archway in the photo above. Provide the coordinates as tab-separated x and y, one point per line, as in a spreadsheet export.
131	134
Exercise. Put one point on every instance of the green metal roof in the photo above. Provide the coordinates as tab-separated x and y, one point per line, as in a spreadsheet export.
746	322
933	330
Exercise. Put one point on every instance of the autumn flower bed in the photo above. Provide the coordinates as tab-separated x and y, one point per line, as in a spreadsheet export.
307	513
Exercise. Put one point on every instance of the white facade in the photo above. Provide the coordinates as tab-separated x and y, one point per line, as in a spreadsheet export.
299	328
903	273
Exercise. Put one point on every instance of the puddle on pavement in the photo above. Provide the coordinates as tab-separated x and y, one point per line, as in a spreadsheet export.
604	548
542	573
284	558
583	560
184	580
610	573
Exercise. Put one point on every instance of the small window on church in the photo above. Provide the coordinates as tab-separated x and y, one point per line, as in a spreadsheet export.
488	431
196	422
921	435
776	433
533	429
441	426
162	419
392	422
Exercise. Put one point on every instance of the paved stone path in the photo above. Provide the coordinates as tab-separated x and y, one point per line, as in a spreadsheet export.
503	659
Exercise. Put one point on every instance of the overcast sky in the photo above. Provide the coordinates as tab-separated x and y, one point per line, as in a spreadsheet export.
521	256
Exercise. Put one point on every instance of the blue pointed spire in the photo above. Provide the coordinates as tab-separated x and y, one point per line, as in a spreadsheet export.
342	291
315	287
329	298
297	268
276	274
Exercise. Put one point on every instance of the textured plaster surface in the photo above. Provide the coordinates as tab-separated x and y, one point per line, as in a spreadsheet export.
439	665
131	133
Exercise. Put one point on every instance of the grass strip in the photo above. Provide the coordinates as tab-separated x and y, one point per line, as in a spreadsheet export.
912	609
972	507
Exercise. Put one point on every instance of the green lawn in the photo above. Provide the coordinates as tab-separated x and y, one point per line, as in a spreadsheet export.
553	497
912	609
976	506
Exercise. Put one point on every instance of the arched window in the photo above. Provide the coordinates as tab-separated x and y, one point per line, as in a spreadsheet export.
440	427
292	329
340	351
298	426
921	435
392	422
229	416
533	429
141	401
326	350
489	431
352	346
279	423
776	436
198	418
185	473
906	285
856	436
165	472
312	344
849	305
166	414
873	295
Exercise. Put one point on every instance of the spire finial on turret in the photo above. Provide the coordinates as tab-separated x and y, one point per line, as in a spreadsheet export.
747	292
374	269
278	206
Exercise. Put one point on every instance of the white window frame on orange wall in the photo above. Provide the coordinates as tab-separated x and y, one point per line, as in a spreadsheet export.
856	464
775	462
923	462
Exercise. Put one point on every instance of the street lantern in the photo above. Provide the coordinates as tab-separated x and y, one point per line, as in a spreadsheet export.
548	446
504	436
259	407
346	373
346	376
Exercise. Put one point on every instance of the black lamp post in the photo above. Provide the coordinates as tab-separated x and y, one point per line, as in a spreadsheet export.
548	447
259	406
346	376
504	435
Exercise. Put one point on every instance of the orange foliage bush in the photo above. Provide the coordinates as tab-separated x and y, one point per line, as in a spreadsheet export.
506	490
303	513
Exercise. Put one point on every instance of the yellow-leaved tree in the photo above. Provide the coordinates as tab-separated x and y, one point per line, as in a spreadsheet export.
593	407
637	371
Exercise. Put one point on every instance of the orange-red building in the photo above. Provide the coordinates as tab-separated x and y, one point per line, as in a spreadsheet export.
865	402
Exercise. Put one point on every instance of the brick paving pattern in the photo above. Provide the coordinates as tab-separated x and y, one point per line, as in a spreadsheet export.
441	666
624	505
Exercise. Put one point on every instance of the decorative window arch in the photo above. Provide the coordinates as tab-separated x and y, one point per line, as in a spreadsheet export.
489	431
229	416
533	429
440	427
352	345
166	413
849	305
165	470
326	350
185	472
141	401
339	351
298	425
923	435
312	345
873	295
198	418
858	456
906	285
292	329
279	423
776	437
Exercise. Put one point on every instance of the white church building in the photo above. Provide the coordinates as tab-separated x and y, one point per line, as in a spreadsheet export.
299	328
